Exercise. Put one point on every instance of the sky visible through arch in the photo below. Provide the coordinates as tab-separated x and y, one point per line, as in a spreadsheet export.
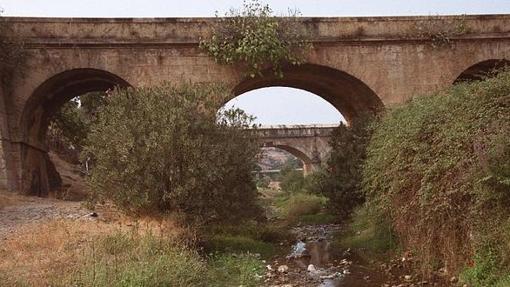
275	105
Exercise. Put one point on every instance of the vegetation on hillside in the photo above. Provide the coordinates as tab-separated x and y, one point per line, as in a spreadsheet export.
257	40
167	149
438	168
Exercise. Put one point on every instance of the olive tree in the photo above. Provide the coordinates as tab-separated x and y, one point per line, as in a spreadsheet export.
168	149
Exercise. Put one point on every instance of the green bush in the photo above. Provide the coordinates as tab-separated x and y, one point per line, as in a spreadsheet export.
256	39
341	181
167	149
437	167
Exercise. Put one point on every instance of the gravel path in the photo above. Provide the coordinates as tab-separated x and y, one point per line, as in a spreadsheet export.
29	210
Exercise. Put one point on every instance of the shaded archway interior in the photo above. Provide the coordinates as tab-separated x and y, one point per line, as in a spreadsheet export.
481	70
349	95
38	174
49	97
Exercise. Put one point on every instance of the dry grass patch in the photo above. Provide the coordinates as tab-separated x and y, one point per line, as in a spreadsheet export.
38	254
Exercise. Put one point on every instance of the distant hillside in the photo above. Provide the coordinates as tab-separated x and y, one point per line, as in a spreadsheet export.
275	158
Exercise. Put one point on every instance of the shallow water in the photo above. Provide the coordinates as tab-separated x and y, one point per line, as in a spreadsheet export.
313	254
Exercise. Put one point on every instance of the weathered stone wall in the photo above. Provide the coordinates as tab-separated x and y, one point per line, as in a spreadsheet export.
356	64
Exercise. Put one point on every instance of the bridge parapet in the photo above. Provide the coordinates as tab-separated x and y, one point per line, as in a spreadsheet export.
294	131
74	32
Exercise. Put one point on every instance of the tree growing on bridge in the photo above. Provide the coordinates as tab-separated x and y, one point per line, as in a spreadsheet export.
256	39
167	149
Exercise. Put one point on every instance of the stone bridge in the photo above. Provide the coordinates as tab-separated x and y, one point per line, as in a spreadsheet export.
309	143
356	64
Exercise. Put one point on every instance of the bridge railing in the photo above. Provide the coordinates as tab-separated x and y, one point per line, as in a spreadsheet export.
286	131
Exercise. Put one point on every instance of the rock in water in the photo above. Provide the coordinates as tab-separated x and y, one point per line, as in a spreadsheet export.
311	268
283	268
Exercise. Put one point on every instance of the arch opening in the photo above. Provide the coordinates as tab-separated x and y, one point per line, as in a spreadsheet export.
276	161
349	95
38	173
481	70
343	93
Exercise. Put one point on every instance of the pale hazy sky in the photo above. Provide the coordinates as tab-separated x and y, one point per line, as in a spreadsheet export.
270	105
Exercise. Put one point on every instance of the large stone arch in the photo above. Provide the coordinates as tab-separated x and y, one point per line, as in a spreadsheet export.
481	69
37	174
349	95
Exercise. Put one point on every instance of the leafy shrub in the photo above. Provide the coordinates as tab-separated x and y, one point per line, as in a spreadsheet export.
341	181
258	40
166	149
437	167
69	127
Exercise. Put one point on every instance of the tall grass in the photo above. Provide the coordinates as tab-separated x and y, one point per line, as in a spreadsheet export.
72	253
126	260
136	260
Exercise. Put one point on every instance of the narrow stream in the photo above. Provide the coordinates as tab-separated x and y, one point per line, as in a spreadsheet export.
314	261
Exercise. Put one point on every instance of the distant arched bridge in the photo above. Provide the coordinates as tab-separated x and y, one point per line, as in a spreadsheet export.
309	143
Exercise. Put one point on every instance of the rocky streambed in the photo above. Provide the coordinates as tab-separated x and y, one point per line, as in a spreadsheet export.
314	261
